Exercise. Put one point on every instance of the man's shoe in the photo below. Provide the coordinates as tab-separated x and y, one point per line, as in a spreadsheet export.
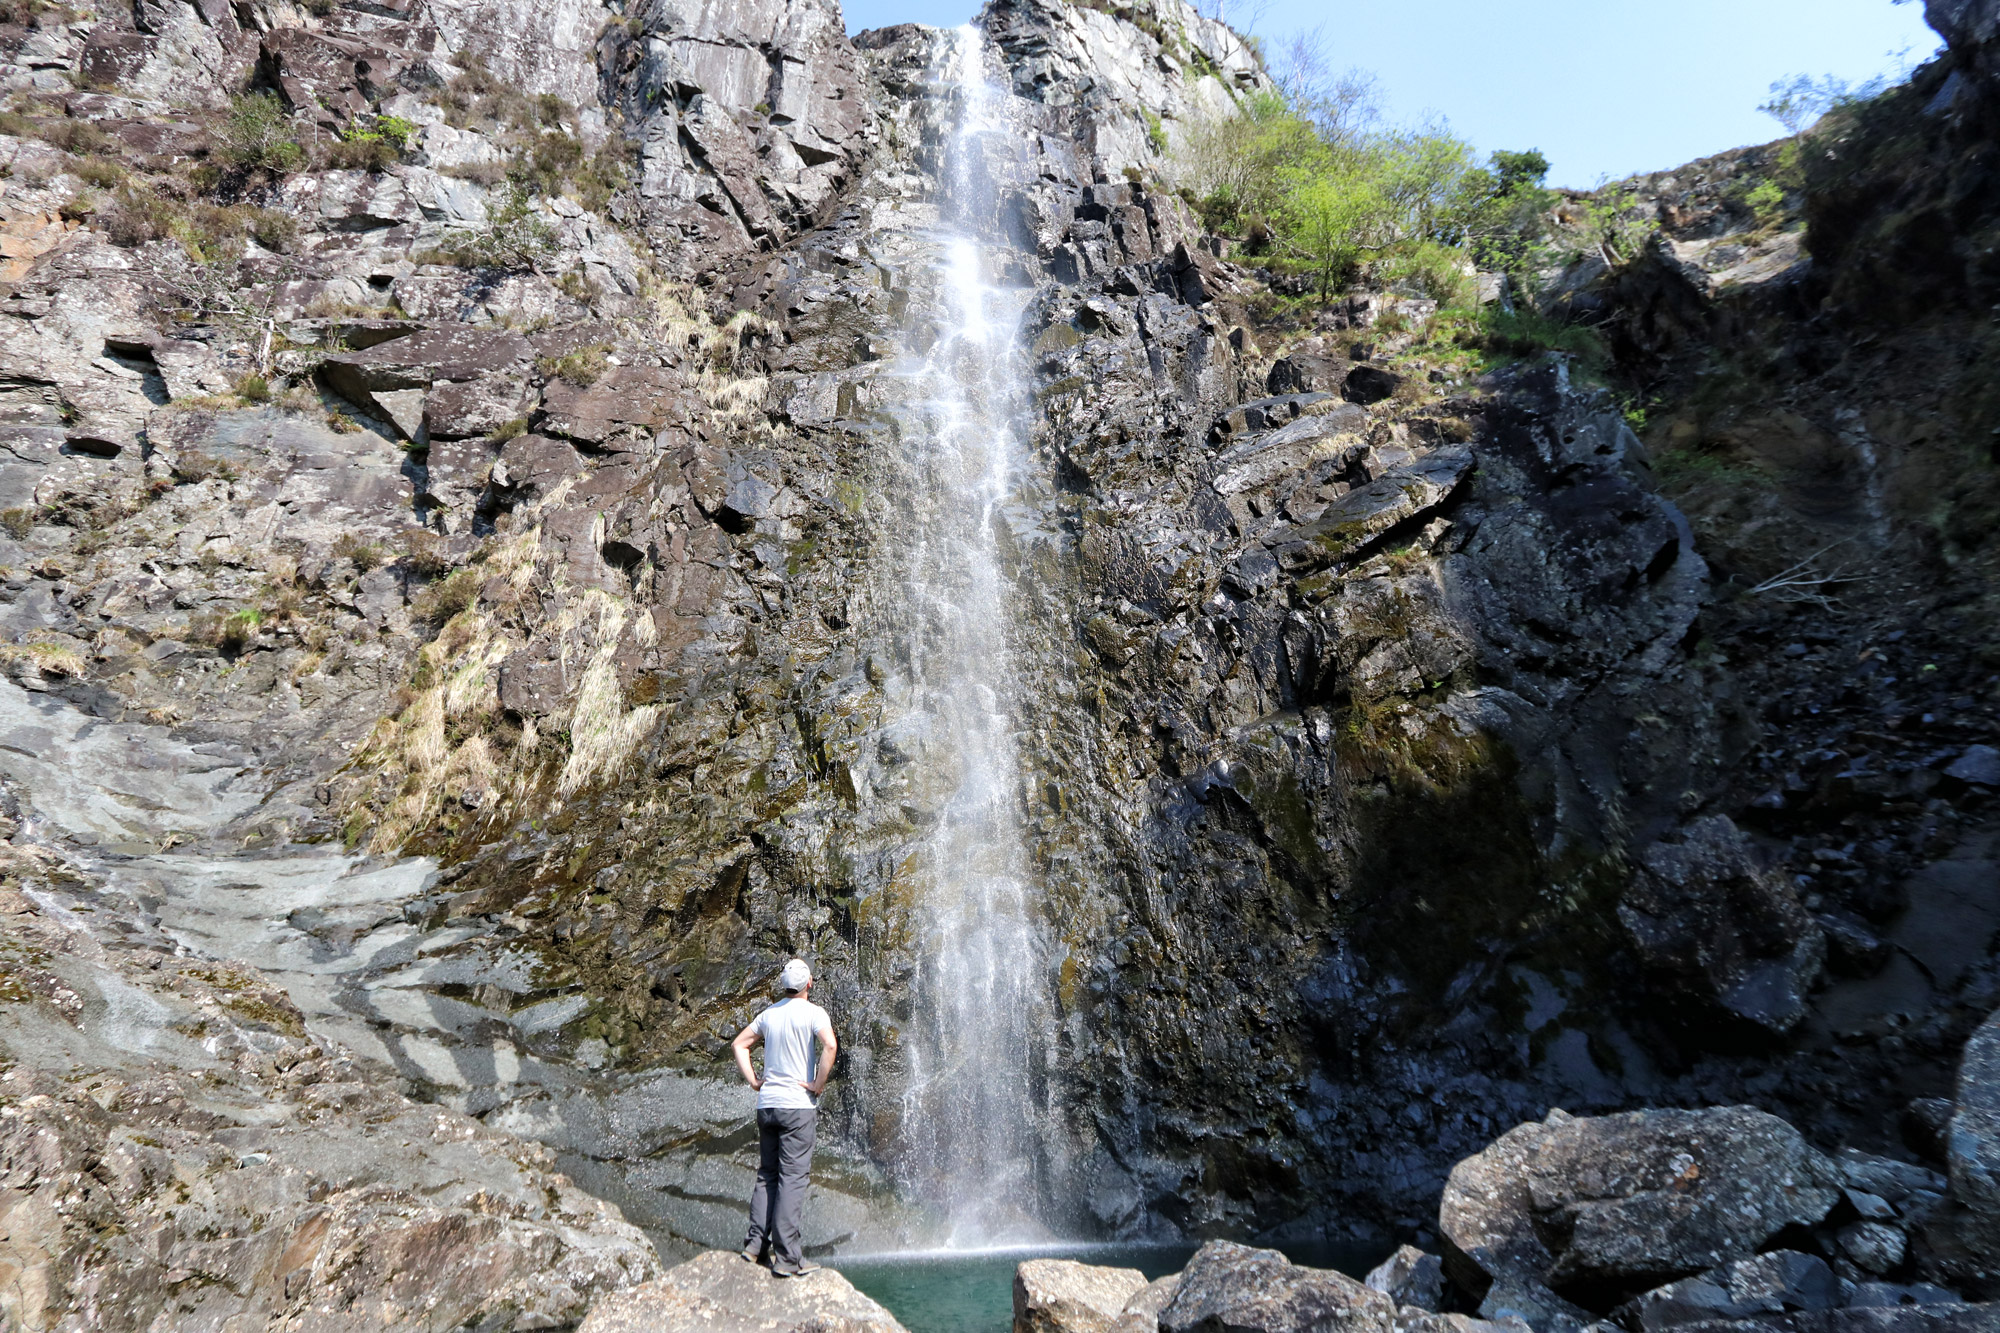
753	1256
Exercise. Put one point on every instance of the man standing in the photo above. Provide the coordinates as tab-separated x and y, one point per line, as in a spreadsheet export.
787	1111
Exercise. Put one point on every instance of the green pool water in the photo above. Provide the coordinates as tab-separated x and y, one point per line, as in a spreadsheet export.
973	1292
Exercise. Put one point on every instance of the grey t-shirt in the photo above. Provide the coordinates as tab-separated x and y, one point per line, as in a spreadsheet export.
788	1029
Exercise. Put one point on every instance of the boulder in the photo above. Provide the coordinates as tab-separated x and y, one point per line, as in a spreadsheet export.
1264	414
1410	1277
1768	1284
1873	1247
1142	1313
530	467
1302	372
1599	1209
1728	938
721	1292
1979	765
1064	1296
1370	384
1973	1141
1230	1288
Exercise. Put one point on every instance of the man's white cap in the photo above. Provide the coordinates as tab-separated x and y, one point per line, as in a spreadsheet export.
795	976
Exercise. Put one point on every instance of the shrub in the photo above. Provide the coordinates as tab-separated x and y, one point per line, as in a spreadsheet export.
258	134
81	137
192	465
518	426
442	600
101	172
374	144
1526	332
372	154
364	554
237	630
274	230
18	522
515	238
584	367
1766	201
254	389
423	554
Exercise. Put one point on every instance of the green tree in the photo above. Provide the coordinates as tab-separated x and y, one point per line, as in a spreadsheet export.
1332	217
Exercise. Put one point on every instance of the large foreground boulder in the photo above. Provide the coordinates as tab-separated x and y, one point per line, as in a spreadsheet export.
1064	1296
721	1292
1229	1288
1596	1210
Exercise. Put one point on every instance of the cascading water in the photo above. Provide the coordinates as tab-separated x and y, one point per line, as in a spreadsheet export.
968	1128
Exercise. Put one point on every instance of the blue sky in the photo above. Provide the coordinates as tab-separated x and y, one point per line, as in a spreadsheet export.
1604	87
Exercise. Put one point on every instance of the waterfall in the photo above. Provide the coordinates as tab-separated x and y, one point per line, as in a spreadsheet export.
968	1127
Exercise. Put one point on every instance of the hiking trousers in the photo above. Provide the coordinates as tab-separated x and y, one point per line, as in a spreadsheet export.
784	1161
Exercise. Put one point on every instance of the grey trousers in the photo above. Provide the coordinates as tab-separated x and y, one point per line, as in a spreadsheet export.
784	1161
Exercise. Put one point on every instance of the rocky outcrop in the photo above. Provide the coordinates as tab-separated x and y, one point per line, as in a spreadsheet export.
751	118
1399	759
1128	85
1971	28
721	1292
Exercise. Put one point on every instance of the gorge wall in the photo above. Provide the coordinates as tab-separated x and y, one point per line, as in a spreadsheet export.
520	668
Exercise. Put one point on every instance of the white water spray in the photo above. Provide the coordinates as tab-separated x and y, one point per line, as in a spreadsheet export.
969	1130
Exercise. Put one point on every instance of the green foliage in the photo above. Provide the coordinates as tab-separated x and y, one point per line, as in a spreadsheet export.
239	629
374	144
1331	216
1156	133
258	134
254	389
1615	225
1306	179
1767	201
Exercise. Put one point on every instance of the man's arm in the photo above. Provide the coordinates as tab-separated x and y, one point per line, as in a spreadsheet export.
745	1039
828	1048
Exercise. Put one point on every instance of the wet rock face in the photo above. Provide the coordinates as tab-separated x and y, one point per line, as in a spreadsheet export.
1598	1208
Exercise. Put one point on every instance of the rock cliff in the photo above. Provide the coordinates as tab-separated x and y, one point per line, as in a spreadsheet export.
454	503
